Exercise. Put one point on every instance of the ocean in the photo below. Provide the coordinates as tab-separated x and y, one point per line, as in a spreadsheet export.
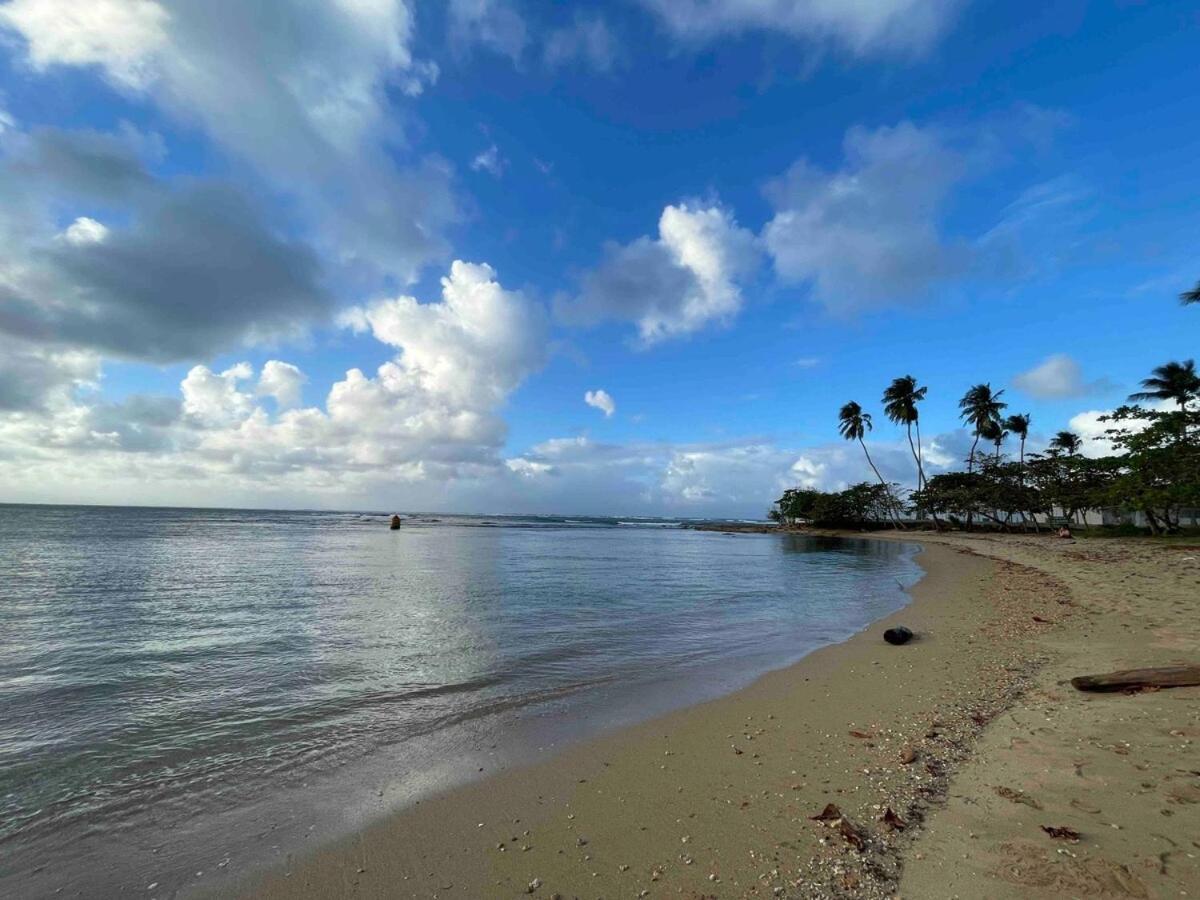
187	695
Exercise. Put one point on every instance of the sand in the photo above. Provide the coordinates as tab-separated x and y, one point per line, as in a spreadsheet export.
968	736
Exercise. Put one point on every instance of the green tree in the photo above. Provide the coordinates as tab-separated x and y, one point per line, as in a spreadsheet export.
1159	465
900	405
1066	442
853	424
1018	424
1175	381
980	407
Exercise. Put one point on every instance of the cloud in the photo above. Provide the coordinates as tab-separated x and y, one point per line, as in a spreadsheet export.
673	285
283	381
1088	426
426	419
490	23
1058	375
32	377
587	41
602	401
298	90
120	36
878	27
869	233
490	161
214	399
196	271
85	231
472	349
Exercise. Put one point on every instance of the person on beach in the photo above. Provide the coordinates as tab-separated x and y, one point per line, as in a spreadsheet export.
1064	531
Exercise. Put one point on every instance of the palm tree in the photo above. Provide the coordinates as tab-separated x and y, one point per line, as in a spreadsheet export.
1066	442
1192	296
1171	381
900	405
853	424
1018	424
994	432
980	406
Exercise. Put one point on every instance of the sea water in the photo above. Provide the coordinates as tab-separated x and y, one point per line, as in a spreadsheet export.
186	695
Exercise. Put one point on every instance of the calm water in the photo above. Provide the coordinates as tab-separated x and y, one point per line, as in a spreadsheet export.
186	691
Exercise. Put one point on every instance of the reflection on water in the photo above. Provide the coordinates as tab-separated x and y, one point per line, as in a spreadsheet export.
158	667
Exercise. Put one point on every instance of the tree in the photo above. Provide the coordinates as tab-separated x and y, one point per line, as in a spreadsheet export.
994	431
979	407
1066	442
1192	296
1176	381
1159	465
900	405
1018	424
853	424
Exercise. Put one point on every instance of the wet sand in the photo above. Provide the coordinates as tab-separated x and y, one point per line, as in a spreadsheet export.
966	735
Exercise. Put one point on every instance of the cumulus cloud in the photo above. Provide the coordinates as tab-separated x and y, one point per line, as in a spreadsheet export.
1057	376
294	88
425	419
877	27
85	231
214	399
601	400
673	285
283	381
868	233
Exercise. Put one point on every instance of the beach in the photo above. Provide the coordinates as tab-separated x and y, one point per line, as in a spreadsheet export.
968	735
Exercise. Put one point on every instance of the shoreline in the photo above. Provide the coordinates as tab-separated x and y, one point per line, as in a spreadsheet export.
442	833
717	799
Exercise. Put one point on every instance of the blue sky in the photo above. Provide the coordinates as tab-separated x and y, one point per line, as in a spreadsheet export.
728	216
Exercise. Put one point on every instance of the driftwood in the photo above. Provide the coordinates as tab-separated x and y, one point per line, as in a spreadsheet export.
1139	679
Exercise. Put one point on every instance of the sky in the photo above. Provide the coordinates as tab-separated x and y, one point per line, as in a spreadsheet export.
621	258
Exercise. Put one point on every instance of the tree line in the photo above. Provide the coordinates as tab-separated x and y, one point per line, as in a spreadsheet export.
1154	468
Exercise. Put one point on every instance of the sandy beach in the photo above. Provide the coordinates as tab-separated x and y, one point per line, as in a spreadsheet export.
946	759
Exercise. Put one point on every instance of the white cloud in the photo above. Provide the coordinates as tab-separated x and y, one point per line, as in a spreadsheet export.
602	401
586	40
472	349
297	89
490	161
869	233
283	381
1058	375
1088	426
85	231
121	36
675	284
875	26
424	422
215	399
491	23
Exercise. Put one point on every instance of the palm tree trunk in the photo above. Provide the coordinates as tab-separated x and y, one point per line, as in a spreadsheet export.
920	455
970	469
916	458
886	489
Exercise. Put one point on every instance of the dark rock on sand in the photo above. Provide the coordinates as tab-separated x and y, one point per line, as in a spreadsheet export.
898	635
